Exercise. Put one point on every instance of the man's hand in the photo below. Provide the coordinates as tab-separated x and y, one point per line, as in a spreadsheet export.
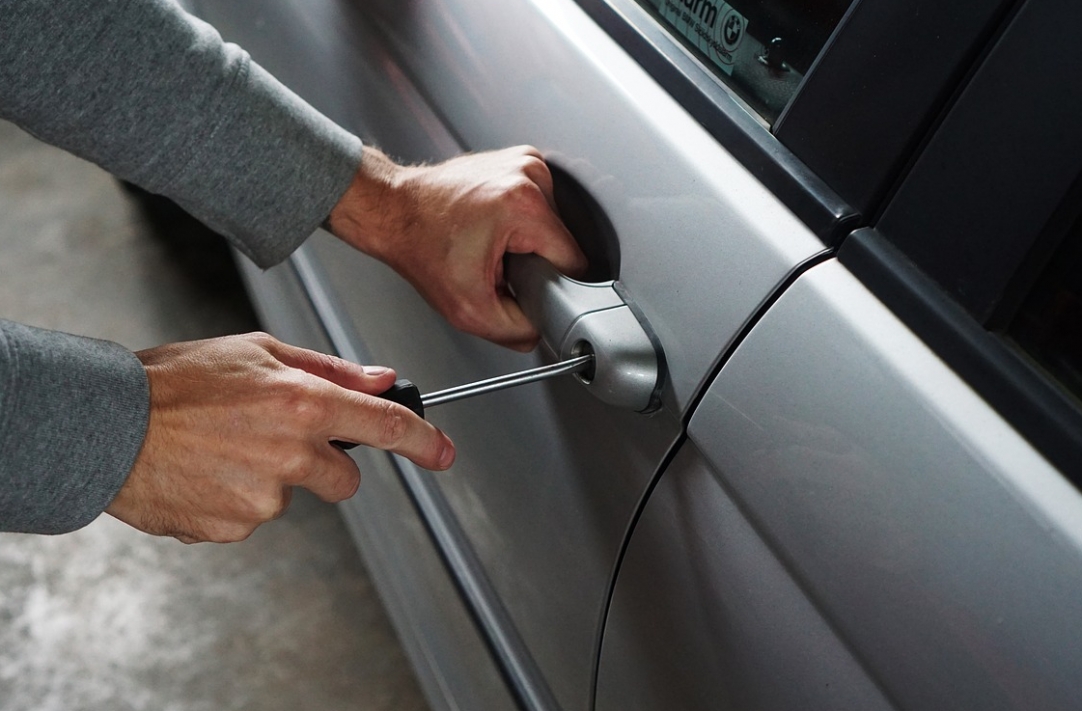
446	228
236	422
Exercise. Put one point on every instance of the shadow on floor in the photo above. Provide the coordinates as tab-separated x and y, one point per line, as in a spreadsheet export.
198	253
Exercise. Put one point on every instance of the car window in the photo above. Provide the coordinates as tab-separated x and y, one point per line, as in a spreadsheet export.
761	48
1048	326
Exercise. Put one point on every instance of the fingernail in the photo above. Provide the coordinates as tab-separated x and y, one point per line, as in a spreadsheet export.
375	370
447	455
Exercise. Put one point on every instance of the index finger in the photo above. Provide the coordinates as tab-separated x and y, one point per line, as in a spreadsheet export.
341	372
382	424
548	237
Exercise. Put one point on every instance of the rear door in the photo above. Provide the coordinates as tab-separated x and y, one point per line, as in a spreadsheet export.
878	504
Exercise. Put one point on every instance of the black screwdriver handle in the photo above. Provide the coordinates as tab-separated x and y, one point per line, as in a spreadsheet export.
403	392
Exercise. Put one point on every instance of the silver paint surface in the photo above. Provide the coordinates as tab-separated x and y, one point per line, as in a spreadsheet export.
705	618
941	547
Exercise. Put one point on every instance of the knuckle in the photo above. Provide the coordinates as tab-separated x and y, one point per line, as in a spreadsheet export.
283	502
528	198
534	165
324	361
334	366
523	189
257	509
235	533
270	507
536	169
221	532
261	338
353	484
302	406
295	464
391	427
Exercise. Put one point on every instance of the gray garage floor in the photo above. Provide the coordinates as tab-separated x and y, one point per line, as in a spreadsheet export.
108	618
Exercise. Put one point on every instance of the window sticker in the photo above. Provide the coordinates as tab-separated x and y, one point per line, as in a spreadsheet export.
713	26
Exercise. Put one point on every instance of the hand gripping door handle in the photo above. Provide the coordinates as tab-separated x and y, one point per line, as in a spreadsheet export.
576	318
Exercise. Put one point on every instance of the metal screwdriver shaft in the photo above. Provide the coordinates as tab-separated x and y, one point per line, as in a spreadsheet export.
511	380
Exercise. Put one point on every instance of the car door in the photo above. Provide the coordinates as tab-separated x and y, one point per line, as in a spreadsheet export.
548	476
706	170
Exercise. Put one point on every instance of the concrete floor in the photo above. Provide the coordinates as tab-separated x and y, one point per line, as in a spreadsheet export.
107	617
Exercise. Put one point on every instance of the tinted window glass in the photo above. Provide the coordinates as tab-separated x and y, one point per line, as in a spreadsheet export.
1049	324
761	48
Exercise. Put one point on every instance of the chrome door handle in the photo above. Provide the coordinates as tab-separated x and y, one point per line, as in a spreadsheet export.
576	318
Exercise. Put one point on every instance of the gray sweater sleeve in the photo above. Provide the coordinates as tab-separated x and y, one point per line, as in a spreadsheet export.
73	412
155	97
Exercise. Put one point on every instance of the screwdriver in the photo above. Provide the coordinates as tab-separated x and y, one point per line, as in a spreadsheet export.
406	393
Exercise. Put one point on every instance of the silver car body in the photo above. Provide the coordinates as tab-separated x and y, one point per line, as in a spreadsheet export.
821	514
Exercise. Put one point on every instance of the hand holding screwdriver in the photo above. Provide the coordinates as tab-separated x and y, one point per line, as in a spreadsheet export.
406	393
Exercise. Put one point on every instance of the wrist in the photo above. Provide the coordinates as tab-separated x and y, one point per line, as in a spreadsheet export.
377	207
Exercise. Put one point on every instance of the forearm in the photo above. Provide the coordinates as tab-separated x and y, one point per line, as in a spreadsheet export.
155	97
73	414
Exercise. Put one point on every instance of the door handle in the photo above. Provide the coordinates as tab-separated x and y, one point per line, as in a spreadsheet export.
577	318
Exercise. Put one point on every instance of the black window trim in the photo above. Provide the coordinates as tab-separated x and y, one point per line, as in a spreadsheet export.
892	89
991	193
724	116
812	161
979	200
